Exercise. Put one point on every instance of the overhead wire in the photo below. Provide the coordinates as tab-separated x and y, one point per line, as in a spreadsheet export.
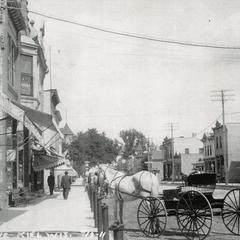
133	35
209	125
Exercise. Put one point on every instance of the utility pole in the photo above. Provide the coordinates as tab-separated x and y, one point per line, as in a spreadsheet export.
50	66
172	149
223	96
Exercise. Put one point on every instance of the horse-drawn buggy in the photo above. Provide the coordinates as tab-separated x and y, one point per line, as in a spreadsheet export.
193	205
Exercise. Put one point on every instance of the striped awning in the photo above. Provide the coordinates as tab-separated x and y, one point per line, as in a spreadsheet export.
15	11
44	159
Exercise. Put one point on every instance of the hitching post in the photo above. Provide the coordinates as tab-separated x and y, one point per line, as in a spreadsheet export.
100	217
105	221
95	208
91	198
117	229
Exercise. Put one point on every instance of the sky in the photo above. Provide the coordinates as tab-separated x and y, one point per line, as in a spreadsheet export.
111	82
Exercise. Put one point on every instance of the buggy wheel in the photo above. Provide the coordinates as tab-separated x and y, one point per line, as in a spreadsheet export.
151	217
194	215
231	211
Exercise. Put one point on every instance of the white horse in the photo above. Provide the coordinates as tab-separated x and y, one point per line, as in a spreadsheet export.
128	188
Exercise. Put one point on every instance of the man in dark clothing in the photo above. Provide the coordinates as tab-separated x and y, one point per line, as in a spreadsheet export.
51	183
65	184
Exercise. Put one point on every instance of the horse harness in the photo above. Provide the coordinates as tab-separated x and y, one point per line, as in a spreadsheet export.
136	192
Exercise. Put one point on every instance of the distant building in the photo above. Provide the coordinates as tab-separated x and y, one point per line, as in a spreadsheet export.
187	150
209	158
156	164
67	133
232	150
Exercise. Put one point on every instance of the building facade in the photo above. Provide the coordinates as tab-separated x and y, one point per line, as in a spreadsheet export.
179	155
227	151
210	162
16	129
22	120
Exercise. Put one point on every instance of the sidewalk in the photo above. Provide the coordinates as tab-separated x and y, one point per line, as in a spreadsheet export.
52	214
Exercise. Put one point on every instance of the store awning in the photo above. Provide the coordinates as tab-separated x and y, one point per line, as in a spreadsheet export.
43	120
63	168
44	159
17	113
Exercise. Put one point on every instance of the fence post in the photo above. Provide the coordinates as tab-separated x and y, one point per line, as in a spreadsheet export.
117	229
99	217
95	204
105	229
91	198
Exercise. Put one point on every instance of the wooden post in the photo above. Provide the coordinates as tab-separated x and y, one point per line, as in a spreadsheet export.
99	217
95	204
117	229
105	222
91	198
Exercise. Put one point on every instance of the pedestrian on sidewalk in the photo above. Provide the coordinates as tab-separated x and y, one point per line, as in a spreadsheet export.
51	182
66	185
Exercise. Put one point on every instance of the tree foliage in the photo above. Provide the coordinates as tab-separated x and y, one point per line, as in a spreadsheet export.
132	138
92	146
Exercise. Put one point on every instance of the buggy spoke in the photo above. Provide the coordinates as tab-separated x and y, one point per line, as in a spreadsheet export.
200	227
144	222
235	222
184	226
146	209
231	220
143	212
186	203
203	222
231	207
228	213
234	206
146	226
238	225
195	225
235	199
190	202
146	206
190	228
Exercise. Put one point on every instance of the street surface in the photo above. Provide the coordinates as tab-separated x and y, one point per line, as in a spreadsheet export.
52	213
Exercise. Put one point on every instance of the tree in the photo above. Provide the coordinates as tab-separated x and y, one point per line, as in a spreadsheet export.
131	139
93	147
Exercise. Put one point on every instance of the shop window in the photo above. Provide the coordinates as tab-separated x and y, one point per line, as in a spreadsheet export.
12	57
26	75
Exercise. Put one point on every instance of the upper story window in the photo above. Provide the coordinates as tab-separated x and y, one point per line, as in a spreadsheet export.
186	150
216	142
27	75
210	150
12	57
